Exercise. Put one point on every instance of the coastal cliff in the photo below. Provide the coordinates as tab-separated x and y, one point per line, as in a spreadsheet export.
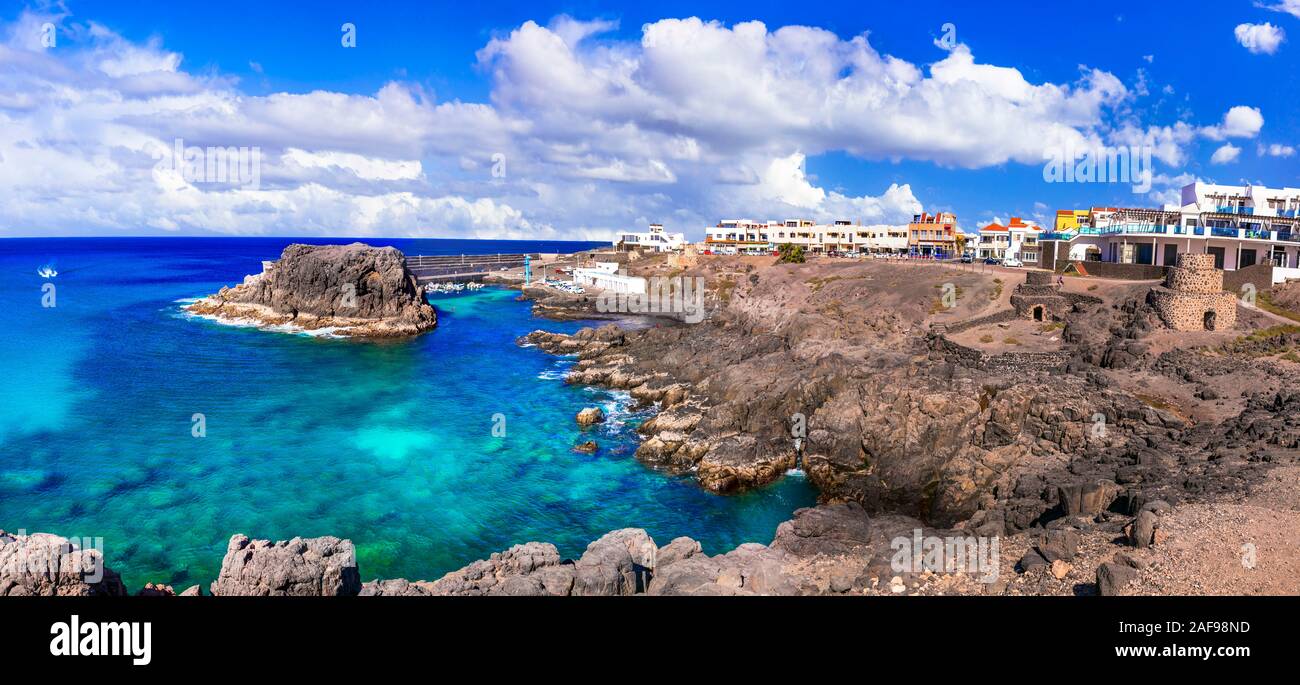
353	290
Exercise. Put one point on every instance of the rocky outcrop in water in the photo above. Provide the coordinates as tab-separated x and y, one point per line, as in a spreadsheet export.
313	567
41	564
354	290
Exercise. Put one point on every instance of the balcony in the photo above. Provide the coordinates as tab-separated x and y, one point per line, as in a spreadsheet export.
1235	210
1133	229
1219	232
1288	236
1258	234
1289	213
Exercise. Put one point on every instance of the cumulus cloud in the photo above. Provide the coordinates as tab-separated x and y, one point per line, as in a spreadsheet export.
1225	154
581	136
1239	122
1259	38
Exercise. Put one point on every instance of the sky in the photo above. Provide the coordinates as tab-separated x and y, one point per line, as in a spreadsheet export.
549	120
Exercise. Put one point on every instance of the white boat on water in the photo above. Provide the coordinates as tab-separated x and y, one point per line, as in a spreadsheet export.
47	272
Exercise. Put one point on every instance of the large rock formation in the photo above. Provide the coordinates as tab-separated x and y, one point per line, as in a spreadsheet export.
44	564
325	566
353	290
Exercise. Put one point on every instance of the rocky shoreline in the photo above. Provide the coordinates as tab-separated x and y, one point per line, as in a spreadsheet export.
348	290
1098	478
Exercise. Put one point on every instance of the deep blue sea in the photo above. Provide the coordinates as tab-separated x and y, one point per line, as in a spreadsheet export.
388	444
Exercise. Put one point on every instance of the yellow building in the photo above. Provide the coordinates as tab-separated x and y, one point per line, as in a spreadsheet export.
1071	219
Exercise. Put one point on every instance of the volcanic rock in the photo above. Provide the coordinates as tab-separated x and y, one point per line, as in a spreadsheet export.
325	566
355	290
45	564
590	416
1112	577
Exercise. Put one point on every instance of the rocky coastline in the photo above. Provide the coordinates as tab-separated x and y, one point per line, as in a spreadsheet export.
348	290
1111	475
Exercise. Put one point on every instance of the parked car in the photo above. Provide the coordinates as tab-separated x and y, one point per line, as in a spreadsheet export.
968	259
992	261
1012	262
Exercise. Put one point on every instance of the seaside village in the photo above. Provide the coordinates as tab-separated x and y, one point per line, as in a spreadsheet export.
1244	237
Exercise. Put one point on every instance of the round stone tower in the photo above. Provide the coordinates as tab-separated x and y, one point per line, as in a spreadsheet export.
1192	298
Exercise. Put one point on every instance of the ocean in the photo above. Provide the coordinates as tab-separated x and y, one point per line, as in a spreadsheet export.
389	444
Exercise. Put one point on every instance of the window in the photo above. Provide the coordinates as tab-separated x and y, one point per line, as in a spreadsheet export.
1218	256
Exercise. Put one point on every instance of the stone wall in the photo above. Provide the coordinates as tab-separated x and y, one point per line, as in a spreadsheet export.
1039	278
1123	272
996	317
1003	362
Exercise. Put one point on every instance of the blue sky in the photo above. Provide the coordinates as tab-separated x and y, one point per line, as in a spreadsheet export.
602	111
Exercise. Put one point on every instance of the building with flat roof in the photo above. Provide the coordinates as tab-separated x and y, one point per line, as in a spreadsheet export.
932	235
1240	226
656	239
842	236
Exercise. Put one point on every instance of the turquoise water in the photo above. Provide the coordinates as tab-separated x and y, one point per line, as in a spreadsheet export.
388	444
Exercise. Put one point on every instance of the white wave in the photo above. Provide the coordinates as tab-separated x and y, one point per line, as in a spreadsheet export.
326	332
557	372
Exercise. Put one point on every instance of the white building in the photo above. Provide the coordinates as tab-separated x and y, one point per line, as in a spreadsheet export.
1240	225
1016	240
746	236
656	239
605	275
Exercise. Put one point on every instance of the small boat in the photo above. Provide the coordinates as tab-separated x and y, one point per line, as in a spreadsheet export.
47	272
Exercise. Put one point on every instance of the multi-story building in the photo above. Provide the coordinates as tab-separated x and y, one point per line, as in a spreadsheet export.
932	235
1240	225
656	239
744	236
1016	240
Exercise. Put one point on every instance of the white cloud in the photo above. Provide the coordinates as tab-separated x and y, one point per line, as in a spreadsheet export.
1225	154
1275	150
1238	122
589	134
1259	38
1167	190
1291	7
